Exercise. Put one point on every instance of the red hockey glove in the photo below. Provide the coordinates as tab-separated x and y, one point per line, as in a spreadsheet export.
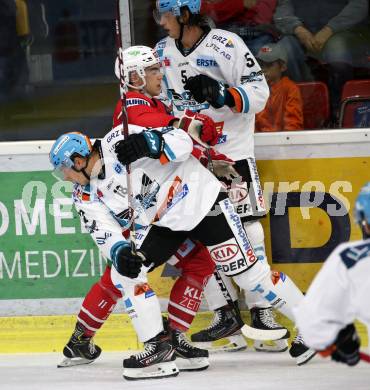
200	127
221	164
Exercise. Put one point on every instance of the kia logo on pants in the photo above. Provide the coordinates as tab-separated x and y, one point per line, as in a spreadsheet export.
224	252
237	193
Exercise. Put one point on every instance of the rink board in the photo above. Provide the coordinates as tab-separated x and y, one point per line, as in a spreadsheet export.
50	333
48	262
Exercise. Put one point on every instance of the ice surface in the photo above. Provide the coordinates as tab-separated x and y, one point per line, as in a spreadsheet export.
247	370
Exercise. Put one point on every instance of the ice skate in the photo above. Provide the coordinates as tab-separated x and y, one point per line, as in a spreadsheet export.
222	335
300	352
156	361
264	318
188	357
80	349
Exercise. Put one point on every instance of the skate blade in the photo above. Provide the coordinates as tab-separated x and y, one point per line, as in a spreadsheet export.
156	371
305	357
193	364
271	346
228	344
70	362
264	334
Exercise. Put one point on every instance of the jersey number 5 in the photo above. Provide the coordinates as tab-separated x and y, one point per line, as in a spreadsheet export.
250	61
184	78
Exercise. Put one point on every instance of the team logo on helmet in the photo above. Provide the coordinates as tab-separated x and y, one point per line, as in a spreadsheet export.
135	59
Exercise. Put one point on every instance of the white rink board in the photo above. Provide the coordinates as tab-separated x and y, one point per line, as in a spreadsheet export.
33	155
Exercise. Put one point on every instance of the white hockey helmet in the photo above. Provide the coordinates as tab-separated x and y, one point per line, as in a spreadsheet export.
136	59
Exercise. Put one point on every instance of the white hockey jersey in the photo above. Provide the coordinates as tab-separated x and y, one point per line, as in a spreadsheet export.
223	56
337	296
176	195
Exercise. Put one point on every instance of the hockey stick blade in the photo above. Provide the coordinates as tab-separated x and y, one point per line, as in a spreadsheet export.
263	334
71	362
365	357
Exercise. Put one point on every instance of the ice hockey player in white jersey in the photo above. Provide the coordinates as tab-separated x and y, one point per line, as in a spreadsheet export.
339	294
212	71
142	83
183	201
104	224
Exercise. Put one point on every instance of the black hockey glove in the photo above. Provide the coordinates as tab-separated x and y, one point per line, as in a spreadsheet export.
204	88
346	348
136	146
126	263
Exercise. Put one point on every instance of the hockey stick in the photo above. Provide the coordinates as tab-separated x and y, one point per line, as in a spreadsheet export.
125	131
365	357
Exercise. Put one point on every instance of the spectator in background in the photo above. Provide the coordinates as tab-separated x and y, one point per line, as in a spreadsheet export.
66	39
283	109
250	19
325	30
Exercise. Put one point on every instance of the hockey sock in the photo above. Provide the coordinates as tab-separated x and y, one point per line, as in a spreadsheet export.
258	279
98	304
214	294
286	288
186	293
141	303
256	237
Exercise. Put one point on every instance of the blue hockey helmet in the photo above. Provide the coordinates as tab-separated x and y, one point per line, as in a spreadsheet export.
362	208
174	6
66	147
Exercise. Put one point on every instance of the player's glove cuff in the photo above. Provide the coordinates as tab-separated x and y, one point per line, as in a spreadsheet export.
146	144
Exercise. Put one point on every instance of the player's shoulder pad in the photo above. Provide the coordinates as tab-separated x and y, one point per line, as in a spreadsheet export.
160	46
137	99
225	39
110	139
353	252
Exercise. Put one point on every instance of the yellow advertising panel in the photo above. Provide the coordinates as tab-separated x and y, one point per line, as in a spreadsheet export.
311	204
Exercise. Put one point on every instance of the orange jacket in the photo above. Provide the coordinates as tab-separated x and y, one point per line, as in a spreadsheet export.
283	109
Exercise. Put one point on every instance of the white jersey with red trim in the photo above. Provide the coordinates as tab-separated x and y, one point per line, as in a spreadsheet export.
223	56
337	296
